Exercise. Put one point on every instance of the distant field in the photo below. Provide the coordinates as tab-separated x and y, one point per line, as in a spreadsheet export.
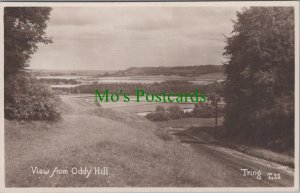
198	75
133	107
217	76
89	79
143	106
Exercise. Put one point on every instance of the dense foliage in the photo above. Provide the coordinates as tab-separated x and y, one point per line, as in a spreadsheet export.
24	29
259	88
32	100
205	111
162	114
201	110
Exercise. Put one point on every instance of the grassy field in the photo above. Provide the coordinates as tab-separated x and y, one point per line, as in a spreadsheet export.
132	106
136	151
216	76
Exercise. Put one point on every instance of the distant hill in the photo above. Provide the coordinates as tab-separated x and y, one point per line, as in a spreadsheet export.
188	71
45	72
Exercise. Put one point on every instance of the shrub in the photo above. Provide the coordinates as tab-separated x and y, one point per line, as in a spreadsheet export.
27	99
160	114
204	111
160	108
157	116
175	112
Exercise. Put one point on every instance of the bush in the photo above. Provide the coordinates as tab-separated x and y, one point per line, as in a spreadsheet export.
206	111
160	114
175	112
157	116
160	108
27	99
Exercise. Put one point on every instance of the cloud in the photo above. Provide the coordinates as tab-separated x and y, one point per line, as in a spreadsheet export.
108	38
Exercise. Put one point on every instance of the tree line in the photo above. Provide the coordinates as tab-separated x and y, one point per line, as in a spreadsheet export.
259	86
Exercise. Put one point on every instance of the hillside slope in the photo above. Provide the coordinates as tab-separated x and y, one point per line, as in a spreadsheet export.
132	148
88	137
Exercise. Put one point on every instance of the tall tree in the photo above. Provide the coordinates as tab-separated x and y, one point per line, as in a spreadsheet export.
24	28
260	63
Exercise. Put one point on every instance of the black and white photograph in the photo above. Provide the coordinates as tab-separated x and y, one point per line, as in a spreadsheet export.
147	95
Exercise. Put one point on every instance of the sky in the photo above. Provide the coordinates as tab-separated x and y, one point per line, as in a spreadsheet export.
116	38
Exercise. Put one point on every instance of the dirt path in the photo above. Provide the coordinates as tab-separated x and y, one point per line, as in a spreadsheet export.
237	161
129	146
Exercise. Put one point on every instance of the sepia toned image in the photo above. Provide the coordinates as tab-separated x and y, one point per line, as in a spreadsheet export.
150	95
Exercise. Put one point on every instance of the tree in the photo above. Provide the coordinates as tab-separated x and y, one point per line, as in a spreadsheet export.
175	112
160	114
25	98
215	98
260	75
24	28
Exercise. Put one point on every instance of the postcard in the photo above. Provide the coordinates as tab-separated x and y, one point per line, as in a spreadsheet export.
149	96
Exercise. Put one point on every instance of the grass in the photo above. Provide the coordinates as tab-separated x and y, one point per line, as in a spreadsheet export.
135	150
266	154
205	132
216	76
204	129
